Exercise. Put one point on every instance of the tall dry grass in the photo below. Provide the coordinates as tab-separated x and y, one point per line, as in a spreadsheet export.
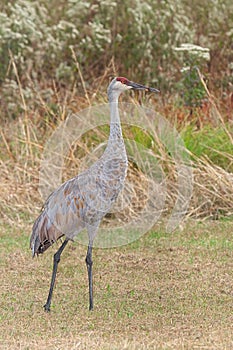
23	141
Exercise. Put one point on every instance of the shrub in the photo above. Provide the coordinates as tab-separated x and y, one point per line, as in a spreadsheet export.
139	35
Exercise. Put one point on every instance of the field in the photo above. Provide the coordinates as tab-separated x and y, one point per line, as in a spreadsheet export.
172	287
164	291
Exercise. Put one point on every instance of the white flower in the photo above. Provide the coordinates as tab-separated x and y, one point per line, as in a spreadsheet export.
184	69
195	50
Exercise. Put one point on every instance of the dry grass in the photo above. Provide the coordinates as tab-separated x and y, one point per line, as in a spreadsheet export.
212	192
212	185
22	144
165	291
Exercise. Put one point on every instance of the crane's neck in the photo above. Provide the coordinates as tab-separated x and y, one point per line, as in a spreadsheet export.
115	124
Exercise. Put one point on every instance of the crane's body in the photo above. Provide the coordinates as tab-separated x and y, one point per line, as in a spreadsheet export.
84	200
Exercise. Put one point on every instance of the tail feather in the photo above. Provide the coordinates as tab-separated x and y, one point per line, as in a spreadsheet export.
44	234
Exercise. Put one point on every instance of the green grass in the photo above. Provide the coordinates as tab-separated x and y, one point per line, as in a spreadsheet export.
213	142
163	291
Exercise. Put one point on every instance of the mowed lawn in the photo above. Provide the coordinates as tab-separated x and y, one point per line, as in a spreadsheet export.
164	291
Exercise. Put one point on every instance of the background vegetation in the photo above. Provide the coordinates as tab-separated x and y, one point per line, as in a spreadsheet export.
137	38
57	57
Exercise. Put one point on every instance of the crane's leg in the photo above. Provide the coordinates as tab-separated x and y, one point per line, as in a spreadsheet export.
89	263
56	260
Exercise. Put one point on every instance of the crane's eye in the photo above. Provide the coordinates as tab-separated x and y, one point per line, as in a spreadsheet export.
122	80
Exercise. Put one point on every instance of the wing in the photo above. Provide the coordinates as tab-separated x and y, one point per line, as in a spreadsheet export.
62	215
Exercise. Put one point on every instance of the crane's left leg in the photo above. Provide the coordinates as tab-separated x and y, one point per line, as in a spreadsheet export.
89	263
56	260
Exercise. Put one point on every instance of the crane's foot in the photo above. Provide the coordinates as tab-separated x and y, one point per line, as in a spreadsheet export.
47	308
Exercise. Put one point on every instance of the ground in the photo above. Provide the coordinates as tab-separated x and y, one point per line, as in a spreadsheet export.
164	291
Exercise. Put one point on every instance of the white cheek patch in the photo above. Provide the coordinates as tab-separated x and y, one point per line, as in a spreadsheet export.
118	85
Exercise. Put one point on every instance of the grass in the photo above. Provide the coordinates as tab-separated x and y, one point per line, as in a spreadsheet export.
211	141
164	291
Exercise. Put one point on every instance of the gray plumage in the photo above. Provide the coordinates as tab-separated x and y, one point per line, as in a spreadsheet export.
84	200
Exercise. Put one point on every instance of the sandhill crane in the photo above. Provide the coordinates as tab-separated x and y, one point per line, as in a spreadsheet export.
83	201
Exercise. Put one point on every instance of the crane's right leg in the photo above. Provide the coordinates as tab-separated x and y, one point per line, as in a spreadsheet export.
92	231
56	260
89	263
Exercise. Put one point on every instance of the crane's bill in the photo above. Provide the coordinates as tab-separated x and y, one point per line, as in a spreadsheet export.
137	86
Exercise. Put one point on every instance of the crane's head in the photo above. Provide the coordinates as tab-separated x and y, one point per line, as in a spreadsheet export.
120	84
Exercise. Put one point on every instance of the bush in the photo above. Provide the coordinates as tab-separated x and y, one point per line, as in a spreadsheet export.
139	35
